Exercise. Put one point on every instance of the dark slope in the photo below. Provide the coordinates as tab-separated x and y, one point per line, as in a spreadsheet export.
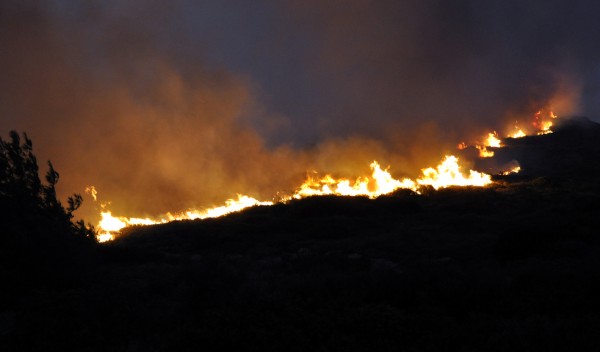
571	151
513	267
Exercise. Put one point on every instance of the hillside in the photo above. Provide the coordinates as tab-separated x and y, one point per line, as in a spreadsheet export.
572	151
514	266
510	267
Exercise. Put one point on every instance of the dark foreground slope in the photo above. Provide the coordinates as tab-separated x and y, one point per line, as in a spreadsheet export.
511	267
572	151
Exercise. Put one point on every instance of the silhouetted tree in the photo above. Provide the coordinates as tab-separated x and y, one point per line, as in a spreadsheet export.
29	209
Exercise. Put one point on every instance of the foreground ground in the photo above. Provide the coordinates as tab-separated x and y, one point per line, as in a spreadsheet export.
510	267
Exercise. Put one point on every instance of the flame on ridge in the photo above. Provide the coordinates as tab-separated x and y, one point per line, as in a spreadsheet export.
493	141
447	173
380	182
514	170
518	133
543	121
110	225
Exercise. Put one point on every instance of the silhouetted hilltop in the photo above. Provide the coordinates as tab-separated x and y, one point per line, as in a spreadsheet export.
572	151
510	267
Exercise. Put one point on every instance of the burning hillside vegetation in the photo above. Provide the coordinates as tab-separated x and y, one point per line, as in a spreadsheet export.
450	172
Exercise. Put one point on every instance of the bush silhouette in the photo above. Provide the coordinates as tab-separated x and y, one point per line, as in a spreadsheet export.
30	212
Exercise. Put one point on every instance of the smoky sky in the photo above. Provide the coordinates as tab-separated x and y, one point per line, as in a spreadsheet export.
164	105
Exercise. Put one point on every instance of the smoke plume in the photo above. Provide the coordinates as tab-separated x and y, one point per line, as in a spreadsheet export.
166	105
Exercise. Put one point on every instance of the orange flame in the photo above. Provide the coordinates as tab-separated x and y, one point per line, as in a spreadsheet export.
491	141
518	134
91	190
543	122
447	173
110	225
514	170
380	182
484	152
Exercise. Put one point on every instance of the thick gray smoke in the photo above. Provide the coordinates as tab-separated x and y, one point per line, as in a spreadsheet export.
164	105
456	63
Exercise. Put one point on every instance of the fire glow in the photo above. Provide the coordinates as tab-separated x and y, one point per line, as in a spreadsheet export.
491	141
543	121
518	133
380	182
109	225
447	174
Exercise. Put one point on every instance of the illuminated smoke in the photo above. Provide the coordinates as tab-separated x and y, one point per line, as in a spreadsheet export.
162	114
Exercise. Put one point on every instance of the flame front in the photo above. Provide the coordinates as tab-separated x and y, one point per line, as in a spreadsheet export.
110	225
514	170
447	173
380	182
518	133
493	141
543	121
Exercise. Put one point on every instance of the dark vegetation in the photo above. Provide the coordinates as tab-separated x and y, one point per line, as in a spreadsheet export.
571	151
512	267
41	247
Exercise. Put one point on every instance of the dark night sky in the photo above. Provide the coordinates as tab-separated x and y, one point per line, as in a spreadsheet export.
169	104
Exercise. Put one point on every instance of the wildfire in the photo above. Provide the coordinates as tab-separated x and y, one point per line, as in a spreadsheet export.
91	190
380	182
518	134
543	121
491	141
447	173
110	225
484	152
514	170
